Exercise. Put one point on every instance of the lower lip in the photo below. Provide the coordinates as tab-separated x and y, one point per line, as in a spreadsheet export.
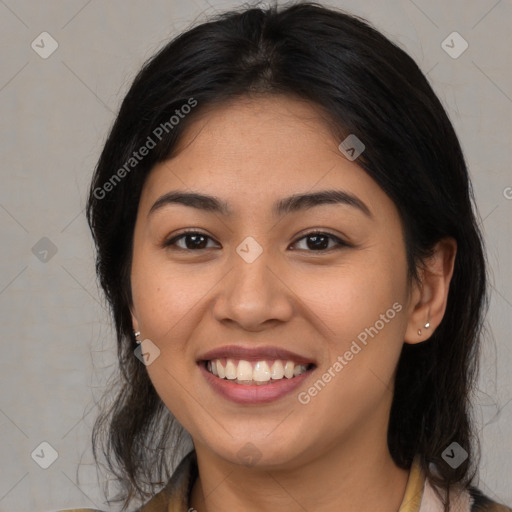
253	394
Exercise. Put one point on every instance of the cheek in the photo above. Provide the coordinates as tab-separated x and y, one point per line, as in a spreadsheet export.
168	306
361	311
163	294
346	299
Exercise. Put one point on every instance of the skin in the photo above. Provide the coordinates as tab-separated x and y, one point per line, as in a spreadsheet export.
328	455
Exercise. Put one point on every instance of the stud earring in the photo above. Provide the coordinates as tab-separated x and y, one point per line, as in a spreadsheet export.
137	334
427	325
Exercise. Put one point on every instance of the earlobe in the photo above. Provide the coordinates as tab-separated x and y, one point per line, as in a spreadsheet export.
431	293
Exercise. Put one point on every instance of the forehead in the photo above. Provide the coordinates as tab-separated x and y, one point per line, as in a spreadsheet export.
260	149
251	124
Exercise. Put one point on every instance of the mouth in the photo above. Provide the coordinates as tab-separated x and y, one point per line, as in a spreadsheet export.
254	375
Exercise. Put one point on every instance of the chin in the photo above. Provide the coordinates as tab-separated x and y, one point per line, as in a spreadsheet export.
263	454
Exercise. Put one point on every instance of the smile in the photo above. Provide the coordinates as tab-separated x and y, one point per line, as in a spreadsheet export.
254	375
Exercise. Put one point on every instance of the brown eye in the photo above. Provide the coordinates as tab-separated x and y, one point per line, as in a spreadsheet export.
319	241
190	240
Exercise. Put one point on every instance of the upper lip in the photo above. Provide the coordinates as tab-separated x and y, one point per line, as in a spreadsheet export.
254	354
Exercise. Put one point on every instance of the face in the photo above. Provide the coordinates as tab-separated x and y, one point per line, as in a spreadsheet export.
263	284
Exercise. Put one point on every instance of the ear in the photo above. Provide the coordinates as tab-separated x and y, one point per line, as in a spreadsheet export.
430	295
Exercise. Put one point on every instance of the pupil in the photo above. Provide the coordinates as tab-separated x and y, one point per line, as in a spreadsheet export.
195	244
319	242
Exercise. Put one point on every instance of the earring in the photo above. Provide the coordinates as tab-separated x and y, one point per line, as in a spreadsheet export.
427	325
137	334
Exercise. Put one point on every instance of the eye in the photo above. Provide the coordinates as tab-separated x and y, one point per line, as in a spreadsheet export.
319	241
192	240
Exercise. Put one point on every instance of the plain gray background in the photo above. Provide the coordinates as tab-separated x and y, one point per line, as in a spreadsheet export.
57	343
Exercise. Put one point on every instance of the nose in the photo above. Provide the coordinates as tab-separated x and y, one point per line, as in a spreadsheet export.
254	295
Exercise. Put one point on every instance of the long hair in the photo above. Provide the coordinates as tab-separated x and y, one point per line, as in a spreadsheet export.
367	86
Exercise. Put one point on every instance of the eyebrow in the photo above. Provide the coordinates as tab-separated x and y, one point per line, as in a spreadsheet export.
284	206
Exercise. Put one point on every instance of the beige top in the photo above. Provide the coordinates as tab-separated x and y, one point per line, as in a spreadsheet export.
419	494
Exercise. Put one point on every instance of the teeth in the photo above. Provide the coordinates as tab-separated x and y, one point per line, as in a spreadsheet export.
277	370
262	372
301	368
288	369
220	369
244	371
230	370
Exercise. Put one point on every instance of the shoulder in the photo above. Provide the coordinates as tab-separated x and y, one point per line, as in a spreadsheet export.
424	496
461	500
174	496
482	503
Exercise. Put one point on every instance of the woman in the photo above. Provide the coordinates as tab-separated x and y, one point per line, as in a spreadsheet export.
284	226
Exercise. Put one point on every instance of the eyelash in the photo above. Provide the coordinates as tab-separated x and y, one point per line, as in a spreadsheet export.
172	241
